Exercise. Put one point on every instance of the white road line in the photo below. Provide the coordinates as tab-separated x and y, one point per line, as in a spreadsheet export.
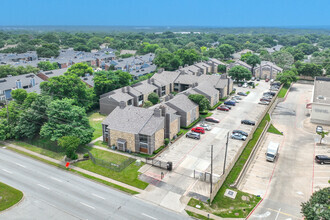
98	196
58	180
7	171
148	216
87	205
43	186
20	165
278	212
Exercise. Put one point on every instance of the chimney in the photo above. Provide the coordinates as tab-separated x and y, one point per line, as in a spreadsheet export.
160	70
32	82
163	109
157	112
195	62
167	98
185	65
128	89
152	80
171	96
149	81
122	104
180	67
18	84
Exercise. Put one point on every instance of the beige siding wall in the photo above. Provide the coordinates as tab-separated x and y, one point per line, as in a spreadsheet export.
168	89
188	118
130	139
320	114
197	112
174	128
159	138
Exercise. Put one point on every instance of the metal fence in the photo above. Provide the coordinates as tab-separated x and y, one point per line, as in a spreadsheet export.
158	163
206	176
110	165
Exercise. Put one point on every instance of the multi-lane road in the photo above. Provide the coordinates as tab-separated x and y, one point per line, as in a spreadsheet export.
52	193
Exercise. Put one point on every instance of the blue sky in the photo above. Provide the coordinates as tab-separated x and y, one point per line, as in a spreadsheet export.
219	13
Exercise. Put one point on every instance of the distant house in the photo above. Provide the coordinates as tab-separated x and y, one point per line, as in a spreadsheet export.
164	80
45	75
320	113
122	52
214	63
267	70
30	82
274	49
187	109
134	129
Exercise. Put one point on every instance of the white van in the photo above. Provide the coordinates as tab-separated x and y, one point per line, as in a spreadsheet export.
272	151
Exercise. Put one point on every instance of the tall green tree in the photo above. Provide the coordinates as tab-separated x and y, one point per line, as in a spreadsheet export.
202	102
253	60
67	119
239	73
287	77
19	95
46	65
227	50
153	98
70	144
80	69
317	207
69	86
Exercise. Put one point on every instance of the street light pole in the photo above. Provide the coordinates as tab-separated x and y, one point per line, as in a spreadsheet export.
211	170
224	163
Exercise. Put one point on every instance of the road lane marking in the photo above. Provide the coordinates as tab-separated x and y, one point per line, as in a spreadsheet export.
87	205
278	213
58	180
148	216
283	213
98	196
20	165
43	186
7	171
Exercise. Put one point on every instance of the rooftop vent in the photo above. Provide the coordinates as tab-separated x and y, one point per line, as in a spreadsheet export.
321	97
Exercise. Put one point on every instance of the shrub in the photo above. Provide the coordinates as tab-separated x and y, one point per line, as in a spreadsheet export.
86	156
166	141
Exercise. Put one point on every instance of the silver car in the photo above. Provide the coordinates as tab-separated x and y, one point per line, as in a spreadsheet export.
205	126
264	103
238	136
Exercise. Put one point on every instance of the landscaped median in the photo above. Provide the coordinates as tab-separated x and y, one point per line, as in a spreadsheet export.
244	202
9	196
283	91
128	175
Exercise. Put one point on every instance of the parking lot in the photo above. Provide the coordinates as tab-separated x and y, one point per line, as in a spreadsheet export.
321	172
188	154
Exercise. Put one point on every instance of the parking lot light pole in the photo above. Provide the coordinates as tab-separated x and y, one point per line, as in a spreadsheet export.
224	163
211	169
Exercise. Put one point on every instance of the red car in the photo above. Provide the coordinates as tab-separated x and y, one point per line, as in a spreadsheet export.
198	130
212	119
223	108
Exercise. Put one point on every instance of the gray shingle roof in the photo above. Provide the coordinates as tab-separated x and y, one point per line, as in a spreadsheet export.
134	120
52	73
10	82
186	79
144	87
182	102
321	92
165	78
205	88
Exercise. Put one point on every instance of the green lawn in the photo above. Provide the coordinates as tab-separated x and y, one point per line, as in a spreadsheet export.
206	115
49	153
129	175
95	120
9	196
108	156
101	144
273	130
283	91
225	206
197	216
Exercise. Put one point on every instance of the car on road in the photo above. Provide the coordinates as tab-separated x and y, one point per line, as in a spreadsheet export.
248	122
263	103
232	103
319	128
212	119
223	108
240	132
238	136
265	99
198	130
205	126
322	159
242	94
193	135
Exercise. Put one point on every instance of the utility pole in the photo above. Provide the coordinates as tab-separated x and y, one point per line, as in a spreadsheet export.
224	163
211	170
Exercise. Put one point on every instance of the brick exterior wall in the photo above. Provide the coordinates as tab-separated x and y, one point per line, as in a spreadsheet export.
159	138
130	139
174	127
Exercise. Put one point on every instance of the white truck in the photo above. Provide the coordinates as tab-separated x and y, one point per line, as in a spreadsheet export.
272	151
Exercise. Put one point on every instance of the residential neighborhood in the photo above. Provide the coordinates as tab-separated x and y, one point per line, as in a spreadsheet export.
162	110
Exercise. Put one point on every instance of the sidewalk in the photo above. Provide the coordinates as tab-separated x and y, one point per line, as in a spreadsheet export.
73	167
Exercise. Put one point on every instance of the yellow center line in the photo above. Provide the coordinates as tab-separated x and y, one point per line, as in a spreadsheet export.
283	213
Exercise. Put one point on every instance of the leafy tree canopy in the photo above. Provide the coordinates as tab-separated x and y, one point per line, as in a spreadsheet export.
317	207
80	69
239	73
202	102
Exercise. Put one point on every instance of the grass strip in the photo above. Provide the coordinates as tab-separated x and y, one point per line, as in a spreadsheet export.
283	91
9	196
274	130
197	216
112	185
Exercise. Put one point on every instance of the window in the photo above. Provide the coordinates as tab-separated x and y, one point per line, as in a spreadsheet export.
143	138
141	98
129	102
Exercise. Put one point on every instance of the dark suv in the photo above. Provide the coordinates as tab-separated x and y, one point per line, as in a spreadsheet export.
193	135
248	122
322	159
240	132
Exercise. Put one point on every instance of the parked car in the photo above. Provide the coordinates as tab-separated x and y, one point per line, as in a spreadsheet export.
242	94
205	126
193	135
223	108
272	80
319	128
274	88
263	103
322	159
212	119
245	85
258	79
264	99
240	132
239	84
253	78
234	100
232	103
276	84
228	106
266	80
248	122
237	97
269	93
198	130
238	136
